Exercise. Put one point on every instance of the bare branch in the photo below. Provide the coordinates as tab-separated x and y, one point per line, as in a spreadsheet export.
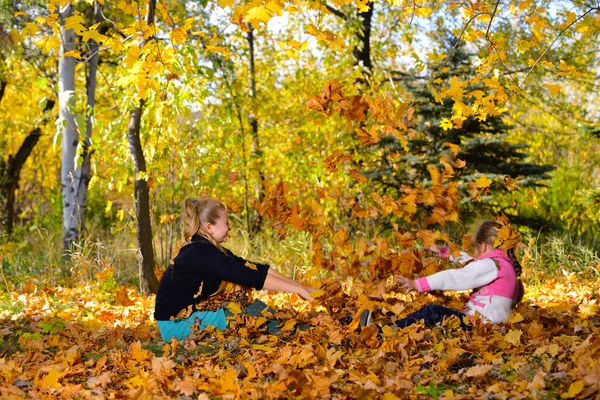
556	39
336	12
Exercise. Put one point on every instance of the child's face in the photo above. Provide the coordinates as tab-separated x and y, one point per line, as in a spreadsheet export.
219	229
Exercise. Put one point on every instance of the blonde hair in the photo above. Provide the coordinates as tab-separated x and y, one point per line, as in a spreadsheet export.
196	214
486	232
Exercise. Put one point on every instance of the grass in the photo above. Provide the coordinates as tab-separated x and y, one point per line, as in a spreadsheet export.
561	254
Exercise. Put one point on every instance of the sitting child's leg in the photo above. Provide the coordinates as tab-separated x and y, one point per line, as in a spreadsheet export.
431	315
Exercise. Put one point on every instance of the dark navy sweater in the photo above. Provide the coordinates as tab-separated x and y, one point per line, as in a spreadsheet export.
200	264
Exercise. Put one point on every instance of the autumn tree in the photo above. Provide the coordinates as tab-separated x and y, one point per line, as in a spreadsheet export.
481	142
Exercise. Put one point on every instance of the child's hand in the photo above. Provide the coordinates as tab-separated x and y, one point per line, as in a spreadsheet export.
306	293
406	283
435	248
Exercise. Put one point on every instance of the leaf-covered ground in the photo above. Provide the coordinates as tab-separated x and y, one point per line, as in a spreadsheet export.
101	342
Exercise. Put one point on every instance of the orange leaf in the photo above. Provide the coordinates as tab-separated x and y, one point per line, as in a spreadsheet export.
123	298
232	177
478	371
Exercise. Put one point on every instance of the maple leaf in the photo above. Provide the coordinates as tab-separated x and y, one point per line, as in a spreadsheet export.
553	89
587	308
446	124
574	389
478	371
509	183
514	337
101	380
232	177
178	36
75	22
226	3
483	182
258	15
93	35
123	298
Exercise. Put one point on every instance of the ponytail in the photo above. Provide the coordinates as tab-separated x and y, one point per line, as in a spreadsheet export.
190	220
197	213
518	270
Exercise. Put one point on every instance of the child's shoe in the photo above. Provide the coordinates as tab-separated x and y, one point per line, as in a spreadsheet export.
366	318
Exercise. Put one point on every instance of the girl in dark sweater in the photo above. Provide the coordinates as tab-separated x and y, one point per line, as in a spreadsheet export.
191	292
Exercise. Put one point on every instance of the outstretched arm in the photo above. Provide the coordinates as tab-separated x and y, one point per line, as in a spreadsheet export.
283	284
274	272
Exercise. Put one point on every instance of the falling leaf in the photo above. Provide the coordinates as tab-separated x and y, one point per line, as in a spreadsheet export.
232	177
553	89
123	298
483	182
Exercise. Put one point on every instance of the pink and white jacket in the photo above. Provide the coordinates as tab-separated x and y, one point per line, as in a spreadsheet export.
493	278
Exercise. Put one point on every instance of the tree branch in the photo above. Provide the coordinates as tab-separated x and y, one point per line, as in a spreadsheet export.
336	12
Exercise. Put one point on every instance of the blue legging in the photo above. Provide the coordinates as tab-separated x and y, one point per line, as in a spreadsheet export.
431	315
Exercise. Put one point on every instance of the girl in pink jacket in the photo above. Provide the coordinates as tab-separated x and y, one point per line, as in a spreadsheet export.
492	274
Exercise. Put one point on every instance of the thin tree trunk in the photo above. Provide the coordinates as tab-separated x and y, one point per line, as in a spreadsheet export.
256	153
362	54
70	139
148	280
83	172
10	173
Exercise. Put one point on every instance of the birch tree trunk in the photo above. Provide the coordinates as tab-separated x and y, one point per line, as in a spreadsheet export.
70	134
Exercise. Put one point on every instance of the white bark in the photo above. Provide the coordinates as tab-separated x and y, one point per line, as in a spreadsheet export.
70	134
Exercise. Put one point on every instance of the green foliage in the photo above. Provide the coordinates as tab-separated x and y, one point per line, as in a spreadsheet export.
572	198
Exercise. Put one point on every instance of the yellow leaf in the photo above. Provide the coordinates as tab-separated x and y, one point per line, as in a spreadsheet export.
446	124
575	388
94	35
263	347
73	54
514	337
136	351
588	308
289	325
235	308
516	317
259	321
30	29
50	380
259	14
75	22
134	382
387	331
390	396
553	89
483	182
132	56
178	36
225	3
435	174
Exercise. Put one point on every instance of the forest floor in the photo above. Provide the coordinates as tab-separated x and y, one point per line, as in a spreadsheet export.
100	341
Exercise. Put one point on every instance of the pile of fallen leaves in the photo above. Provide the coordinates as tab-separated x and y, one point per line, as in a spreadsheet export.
89	342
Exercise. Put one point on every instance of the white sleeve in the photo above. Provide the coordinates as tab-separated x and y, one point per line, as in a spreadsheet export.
463	258
473	275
